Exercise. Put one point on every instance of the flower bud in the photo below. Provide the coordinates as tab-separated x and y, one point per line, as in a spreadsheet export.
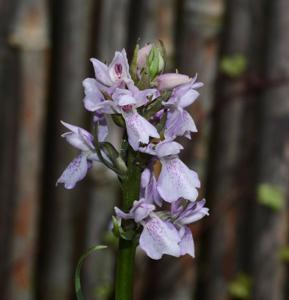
171	80
142	56
155	62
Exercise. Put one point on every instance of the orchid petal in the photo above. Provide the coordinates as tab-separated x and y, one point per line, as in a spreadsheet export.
141	210
92	94
101	72
101	122
74	172
171	80
139	130
179	123
167	148
187	243
78	137
121	214
158	238
176	181
119	68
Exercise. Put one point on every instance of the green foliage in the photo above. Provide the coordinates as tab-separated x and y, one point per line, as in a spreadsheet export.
284	254
77	282
241	286
270	195
234	65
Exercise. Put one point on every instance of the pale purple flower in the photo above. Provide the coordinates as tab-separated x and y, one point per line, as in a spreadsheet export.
166	232
115	73
179	121
176	180
126	102
93	96
172	236
78	137
159	237
139	211
139	130
77	169
188	213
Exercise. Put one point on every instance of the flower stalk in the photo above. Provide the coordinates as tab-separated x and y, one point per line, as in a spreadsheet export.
126	248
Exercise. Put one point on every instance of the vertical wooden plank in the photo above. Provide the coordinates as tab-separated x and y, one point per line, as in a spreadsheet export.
30	35
197	39
112	28
273	168
61	209
219	251
9	89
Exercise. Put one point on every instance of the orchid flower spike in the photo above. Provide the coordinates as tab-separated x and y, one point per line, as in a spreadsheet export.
150	106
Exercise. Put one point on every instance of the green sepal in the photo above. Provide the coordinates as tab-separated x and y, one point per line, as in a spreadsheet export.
133	65
114	157
161	124
118	231
156	105
118	120
77	282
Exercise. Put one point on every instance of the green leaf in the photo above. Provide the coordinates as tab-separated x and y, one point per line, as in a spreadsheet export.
234	65
284	254
240	287
77	282
270	195
118	120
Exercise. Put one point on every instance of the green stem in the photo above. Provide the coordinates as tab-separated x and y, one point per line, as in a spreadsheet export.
126	250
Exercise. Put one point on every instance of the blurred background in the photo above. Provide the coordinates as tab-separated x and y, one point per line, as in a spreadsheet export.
240	50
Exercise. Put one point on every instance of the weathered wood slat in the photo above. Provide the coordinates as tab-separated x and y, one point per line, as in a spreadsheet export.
219	250
9	110
60	208
273	169
30	37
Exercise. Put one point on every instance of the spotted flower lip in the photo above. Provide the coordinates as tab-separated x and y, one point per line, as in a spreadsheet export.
75	171
176	180
159	237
